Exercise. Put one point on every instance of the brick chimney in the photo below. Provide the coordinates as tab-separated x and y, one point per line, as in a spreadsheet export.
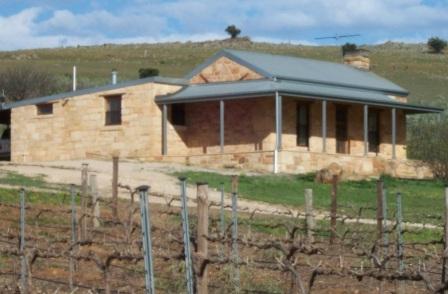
358	58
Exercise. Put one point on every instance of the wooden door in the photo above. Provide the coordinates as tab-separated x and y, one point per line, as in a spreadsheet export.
341	130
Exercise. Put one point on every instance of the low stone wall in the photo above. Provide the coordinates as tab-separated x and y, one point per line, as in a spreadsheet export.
260	161
301	162
354	167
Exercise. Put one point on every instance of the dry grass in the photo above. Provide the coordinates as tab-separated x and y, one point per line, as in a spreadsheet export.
410	66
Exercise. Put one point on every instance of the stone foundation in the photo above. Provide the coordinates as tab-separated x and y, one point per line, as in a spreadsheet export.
298	162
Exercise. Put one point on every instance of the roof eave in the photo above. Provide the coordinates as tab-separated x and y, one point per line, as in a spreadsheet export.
87	91
165	99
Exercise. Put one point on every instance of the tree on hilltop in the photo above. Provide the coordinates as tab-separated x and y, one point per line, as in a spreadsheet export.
233	31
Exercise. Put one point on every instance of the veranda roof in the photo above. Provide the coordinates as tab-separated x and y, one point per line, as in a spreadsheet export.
268	87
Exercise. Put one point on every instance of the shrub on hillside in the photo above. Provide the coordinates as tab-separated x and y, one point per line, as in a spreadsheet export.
148	72
233	31
348	47
436	44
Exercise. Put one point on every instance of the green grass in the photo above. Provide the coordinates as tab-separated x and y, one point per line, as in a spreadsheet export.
409	65
16	179
422	199
11	196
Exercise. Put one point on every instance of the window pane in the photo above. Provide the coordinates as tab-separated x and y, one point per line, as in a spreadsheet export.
45	109
113	110
373	134
302	127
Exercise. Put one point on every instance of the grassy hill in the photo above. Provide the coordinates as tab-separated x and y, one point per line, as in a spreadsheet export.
409	65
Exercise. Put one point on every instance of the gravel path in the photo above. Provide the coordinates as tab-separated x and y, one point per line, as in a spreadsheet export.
156	175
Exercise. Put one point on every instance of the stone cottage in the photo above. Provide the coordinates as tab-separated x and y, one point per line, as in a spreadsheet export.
240	109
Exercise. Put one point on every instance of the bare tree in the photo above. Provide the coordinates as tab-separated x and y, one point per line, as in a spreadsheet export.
23	82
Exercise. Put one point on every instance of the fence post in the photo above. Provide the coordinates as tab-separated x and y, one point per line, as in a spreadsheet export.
202	214
385	231
222	219
23	262
235	256
309	214
115	186
186	235
445	239
399	240
74	236
379	208
146	239
84	193
95	201
334	207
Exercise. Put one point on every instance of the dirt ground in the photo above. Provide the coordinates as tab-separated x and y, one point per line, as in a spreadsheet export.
131	173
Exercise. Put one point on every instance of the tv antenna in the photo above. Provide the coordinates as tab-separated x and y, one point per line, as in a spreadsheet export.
337	37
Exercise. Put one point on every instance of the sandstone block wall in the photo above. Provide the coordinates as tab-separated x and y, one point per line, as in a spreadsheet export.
77	129
224	70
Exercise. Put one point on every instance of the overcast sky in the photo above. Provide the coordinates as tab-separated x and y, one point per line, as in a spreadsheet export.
52	23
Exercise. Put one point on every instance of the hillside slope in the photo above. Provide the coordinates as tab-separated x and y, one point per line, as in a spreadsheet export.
425	75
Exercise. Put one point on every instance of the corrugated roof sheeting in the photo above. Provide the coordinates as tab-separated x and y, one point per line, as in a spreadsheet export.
306	70
45	99
254	88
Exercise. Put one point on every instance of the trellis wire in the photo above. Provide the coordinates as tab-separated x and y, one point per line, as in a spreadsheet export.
244	243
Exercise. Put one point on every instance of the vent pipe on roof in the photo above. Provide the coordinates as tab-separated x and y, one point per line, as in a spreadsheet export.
74	78
114	77
358	58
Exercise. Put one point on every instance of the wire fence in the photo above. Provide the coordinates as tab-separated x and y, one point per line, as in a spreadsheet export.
83	242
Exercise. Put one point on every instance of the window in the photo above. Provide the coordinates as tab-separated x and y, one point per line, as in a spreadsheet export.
302	127
341	130
45	109
374	133
113	110
178	114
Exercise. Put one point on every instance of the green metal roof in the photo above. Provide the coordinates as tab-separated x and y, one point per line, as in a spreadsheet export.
45	99
306	70
258	88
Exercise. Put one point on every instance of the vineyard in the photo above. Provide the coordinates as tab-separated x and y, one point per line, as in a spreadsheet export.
82	243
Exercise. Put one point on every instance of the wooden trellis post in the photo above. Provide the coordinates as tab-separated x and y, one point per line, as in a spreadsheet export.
309	214
202	211
84	195
115	186
95	201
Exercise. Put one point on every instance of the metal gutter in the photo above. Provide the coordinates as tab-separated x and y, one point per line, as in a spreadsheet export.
259	94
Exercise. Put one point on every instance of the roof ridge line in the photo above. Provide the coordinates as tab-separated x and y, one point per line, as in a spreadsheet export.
339	85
